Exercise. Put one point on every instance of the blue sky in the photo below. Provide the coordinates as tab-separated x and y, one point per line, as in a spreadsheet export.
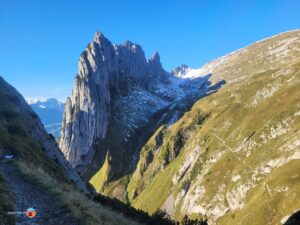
40	41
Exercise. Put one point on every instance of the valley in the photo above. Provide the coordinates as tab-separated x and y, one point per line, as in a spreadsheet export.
141	145
196	142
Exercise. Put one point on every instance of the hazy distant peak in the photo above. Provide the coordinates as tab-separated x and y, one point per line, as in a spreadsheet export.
181	70
31	101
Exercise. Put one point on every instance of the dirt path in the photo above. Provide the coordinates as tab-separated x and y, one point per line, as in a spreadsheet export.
49	211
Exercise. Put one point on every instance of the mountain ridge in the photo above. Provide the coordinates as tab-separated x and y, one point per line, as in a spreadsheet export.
172	144
242	128
111	79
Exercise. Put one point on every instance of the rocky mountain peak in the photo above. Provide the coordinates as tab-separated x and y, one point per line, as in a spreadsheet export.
117	87
99	37
129	44
181	70
104	72
155	57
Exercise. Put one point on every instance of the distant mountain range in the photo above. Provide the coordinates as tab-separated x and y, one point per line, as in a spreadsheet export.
50	111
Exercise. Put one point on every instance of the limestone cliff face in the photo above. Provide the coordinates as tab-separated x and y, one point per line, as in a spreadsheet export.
104	71
117	86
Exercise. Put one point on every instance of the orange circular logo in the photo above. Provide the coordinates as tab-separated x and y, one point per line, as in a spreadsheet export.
30	213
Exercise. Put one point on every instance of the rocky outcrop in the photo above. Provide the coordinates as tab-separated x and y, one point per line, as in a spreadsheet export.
105	70
116	86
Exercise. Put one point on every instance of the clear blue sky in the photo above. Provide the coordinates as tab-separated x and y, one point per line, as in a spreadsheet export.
41	40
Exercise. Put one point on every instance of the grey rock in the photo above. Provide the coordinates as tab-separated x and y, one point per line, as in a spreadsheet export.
116	84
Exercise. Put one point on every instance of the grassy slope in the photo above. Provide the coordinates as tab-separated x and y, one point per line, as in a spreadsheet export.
32	162
6	204
252	132
80	206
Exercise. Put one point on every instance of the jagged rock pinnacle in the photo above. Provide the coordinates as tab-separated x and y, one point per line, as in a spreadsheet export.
155	57
98	37
108	69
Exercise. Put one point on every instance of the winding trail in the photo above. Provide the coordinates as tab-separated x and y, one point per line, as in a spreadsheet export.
27	194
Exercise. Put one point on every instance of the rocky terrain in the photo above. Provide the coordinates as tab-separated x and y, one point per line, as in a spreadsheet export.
27	195
117	92
220	142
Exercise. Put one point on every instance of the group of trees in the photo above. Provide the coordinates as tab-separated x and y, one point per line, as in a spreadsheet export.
159	218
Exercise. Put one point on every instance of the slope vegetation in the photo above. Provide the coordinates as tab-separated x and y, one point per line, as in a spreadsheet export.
235	155
39	166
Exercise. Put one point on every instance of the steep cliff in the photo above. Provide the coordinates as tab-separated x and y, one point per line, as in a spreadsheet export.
117	91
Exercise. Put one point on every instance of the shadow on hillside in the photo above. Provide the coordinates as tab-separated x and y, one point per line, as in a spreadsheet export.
122	154
294	219
166	116
160	217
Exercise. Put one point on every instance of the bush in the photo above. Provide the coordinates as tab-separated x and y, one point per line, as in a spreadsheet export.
187	221
199	119
52	137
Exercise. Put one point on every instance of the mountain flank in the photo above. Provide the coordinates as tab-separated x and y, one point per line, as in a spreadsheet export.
118	100
238	148
220	142
38	175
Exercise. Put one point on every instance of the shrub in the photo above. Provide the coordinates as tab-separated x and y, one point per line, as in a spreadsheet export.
187	221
